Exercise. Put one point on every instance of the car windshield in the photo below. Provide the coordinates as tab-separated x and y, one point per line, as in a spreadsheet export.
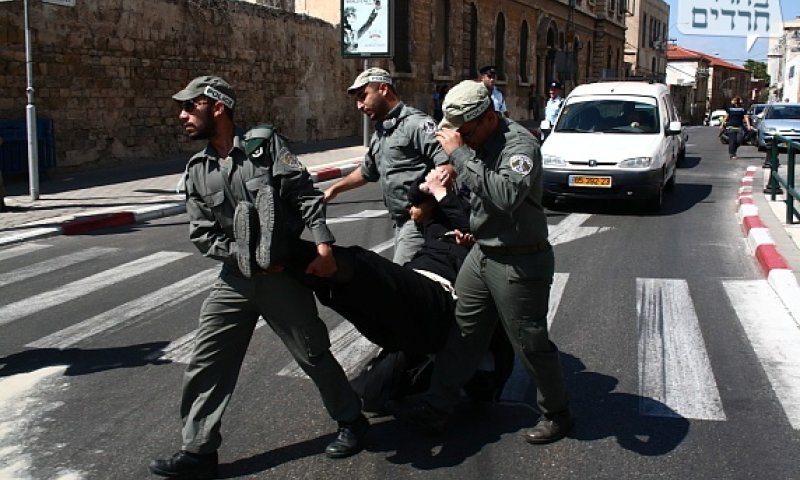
784	112
617	116
758	109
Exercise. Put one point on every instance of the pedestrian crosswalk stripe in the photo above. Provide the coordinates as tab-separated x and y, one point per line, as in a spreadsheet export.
180	350
79	288
675	377
347	344
774	336
519	381
53	264
350	348
21	250
357	216
152	303
571	228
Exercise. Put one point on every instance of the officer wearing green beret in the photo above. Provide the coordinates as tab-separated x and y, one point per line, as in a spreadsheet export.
401	150
507	274
231	194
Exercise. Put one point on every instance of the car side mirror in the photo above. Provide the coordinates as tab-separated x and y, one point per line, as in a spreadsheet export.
545	125
674	128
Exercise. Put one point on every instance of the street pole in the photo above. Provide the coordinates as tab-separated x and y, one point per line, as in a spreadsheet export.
365	121
30	115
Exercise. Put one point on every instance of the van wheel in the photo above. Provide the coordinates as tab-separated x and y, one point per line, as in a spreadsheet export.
671	182
681	157
654	203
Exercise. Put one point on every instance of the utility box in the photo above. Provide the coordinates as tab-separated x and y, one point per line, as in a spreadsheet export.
14	149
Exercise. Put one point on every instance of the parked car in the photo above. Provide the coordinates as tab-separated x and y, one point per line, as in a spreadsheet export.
715	119
613	140
778	119
755	113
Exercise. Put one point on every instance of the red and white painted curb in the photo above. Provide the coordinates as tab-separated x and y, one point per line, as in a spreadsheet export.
89	221
762	247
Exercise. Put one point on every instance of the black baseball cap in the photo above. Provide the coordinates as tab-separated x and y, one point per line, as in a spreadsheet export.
555	85
488	70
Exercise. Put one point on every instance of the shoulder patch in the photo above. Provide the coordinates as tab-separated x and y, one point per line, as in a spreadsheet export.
521	164
428	126
289	158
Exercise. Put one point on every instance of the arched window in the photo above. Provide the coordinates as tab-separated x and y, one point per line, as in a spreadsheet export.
441	35
402	49
499	45
644	30
588	61
523	52
471	42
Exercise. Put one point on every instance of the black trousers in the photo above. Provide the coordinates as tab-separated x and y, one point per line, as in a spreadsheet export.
393	306
735	138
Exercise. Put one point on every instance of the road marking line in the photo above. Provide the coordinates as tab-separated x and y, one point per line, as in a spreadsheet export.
53	264
519	381
675	376
350	348
21	250
570	229
775	338
357	216
152	303
79	288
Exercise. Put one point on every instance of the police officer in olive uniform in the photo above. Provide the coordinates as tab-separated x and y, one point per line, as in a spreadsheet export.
402	148
218	178
507	275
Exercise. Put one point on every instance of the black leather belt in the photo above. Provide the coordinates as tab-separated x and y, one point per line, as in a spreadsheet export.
537	247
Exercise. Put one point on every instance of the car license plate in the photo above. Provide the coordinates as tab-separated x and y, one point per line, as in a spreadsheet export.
589	181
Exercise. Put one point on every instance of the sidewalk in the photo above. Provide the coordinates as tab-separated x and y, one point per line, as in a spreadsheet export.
81	202
774	244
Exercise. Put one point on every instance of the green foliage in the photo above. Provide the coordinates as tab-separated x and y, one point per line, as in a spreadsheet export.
759	70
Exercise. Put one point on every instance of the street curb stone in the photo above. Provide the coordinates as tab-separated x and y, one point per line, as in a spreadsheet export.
763	248
78	225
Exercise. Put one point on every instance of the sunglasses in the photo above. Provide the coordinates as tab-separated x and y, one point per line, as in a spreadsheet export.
188	106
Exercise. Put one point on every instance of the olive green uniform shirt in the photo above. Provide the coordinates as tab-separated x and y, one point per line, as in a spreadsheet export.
505	177
210	204
402	148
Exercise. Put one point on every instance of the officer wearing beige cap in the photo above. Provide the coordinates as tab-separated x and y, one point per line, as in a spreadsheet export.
235	188
401	150
507	275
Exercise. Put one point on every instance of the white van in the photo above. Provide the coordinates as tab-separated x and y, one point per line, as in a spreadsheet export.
613	140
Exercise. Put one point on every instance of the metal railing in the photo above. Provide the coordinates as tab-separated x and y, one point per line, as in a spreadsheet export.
776	181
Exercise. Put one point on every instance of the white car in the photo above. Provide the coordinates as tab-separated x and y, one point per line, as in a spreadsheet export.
617	140
716	117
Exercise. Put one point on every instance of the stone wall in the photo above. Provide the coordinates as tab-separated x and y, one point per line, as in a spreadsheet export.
104	71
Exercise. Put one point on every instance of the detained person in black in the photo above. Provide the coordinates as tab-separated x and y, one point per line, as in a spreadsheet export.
736	124
411	308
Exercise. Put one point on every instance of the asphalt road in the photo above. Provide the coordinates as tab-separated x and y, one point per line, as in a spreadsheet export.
663	322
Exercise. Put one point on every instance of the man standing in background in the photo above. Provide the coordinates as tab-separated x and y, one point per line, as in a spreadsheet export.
401	150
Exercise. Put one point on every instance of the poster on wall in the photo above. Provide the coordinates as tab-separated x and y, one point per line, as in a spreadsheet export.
367	28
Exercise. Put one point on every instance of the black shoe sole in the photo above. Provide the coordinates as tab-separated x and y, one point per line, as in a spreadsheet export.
245	227
265	206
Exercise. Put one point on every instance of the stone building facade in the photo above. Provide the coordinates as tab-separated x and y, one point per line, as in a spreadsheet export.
531	42
104	70
646	39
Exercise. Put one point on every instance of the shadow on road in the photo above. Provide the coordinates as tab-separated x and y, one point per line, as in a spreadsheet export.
682	198
600	413
82	361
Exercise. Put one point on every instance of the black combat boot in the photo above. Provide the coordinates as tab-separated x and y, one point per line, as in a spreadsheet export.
187	465
550	430
349	438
